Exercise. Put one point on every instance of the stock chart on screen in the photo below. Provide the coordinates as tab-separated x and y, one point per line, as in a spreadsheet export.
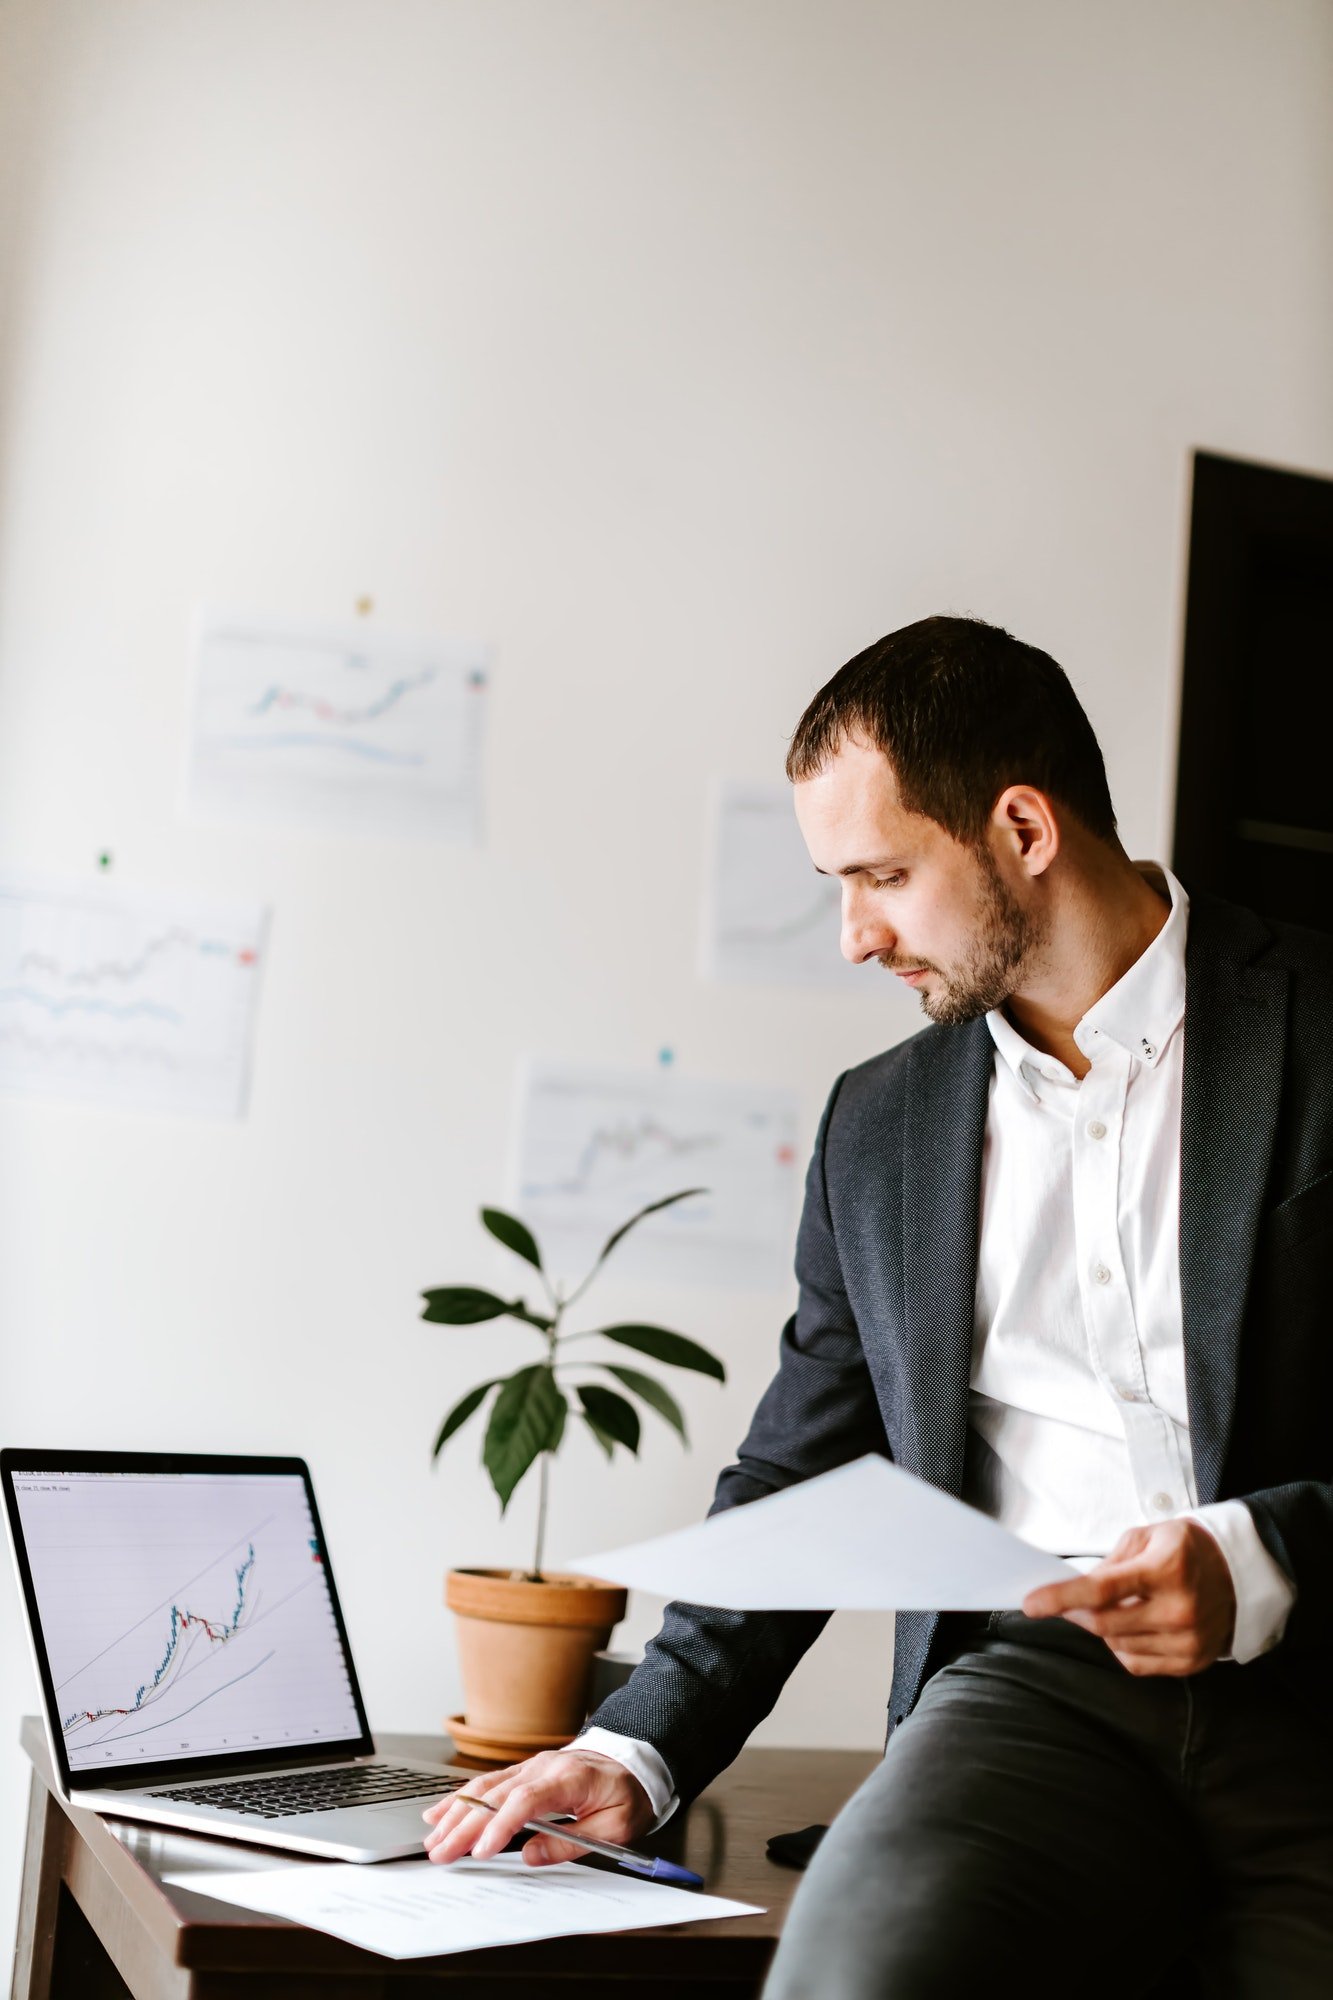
184	1614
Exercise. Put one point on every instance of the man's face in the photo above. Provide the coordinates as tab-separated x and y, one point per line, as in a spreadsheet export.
936	913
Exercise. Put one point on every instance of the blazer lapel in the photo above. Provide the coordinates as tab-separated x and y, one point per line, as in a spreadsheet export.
1235	1034
948	1090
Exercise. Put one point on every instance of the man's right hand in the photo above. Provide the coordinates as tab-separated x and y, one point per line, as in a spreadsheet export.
607	1802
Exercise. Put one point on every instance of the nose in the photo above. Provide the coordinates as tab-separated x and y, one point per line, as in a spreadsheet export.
865	930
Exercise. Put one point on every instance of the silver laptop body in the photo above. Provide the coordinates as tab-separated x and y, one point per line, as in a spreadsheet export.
193	1661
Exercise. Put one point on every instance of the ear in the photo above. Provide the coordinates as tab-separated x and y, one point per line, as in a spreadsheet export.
1024	829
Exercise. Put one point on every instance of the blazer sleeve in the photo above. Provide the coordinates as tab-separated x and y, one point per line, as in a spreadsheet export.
1295	1517
1295	1525
710	1676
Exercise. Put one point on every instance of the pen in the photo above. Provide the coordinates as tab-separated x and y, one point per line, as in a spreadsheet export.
625	1857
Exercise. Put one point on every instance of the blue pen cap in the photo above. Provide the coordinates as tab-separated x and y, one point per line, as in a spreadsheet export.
683	1878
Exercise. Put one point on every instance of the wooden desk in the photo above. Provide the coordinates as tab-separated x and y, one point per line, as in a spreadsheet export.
96	1921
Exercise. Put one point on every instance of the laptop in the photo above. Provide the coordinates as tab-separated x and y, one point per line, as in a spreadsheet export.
193	1661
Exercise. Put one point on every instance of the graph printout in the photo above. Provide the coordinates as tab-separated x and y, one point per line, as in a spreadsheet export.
184	1614
127	997
339	728
769	919
594	1145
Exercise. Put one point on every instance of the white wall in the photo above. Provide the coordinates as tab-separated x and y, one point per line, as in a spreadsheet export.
682	346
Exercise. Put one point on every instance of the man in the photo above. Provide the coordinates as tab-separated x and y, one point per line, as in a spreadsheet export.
1063	1254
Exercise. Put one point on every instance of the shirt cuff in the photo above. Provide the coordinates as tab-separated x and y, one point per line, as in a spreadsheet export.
1264	1591
642	1762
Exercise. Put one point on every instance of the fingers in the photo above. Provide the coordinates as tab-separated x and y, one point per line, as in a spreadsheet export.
1136	1565
1110	1583
543	1849
518	1803
601	1794
1145	1660
458	1824
479	1786
1169	1613
1163	1600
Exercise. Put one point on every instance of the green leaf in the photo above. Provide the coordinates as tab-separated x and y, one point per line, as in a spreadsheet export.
523	1418
462	1305
608	1444
465	1305
515	1235
673	1348
652	1208
460	1413
652	1392
611	1413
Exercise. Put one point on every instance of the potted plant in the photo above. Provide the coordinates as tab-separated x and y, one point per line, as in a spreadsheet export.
527	1638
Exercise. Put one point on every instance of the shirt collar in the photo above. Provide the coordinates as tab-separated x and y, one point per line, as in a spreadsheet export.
1140	1013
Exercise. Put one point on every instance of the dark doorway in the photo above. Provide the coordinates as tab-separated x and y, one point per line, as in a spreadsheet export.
1254	800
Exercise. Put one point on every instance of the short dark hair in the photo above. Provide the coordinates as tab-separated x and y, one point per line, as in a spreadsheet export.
961	710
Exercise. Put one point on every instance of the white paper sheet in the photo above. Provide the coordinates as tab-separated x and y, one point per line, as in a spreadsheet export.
865	1537
769	919
416	1909
595	1144
338	728
127	996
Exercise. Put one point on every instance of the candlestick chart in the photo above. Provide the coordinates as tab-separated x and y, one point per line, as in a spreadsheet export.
184	1616
185	1630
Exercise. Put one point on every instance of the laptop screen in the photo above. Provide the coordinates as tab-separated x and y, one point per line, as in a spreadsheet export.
184	1615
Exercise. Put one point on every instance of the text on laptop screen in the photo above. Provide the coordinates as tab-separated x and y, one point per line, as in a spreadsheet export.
184	1614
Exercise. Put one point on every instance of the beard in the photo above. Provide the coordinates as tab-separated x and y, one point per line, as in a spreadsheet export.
1005	940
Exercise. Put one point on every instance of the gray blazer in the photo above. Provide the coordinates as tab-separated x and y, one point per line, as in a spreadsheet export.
877	1355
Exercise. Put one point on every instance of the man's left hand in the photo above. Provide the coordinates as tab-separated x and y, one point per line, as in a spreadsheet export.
1163	1600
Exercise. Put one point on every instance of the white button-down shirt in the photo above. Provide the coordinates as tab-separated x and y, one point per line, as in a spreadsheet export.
1079	1422
1079	1426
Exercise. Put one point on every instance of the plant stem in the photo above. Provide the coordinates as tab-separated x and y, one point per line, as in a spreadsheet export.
543	1470
536	1576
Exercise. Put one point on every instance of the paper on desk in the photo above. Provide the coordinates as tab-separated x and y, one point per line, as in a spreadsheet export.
865	1537
417	1909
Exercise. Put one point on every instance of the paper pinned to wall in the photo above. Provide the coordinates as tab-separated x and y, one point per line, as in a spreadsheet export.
127	997
419	1909
596	1144
339	728
769	919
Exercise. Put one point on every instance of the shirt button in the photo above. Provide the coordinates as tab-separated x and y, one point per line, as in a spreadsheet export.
1101	1274
1161	1503
1096	1130
1149	1051
1127	1395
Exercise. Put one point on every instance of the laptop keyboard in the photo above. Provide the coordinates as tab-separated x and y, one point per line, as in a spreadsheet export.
286	1793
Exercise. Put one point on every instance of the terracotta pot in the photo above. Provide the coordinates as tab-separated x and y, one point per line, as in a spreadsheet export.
526	1651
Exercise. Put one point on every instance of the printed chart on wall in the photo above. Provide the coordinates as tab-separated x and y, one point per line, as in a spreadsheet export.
183	1614
769	918
339	728
124	997
596	1144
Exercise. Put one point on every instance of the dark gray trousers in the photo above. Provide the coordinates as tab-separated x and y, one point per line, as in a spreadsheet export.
1045	1819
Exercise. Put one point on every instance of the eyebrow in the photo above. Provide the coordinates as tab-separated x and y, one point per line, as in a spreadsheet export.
862	867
